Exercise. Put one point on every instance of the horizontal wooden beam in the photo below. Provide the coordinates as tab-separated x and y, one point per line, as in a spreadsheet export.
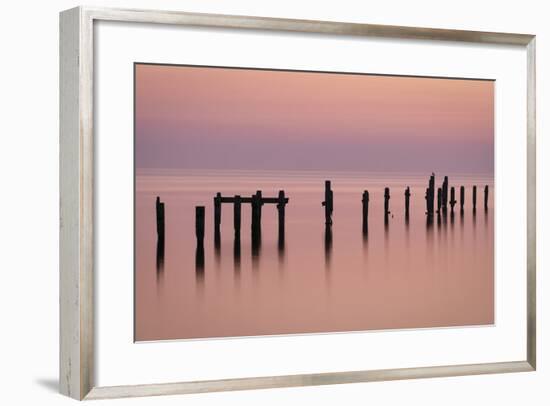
273	200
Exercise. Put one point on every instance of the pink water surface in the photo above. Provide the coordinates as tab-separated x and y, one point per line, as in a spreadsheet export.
406	275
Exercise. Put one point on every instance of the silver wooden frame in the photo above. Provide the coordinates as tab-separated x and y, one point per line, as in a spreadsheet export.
77	204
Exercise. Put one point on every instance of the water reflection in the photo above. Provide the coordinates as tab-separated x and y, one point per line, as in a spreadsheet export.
407	233
365	232
256	246
199	263
281	247
365	262
386	241
429	222
328	245
237	254
160	257
429	237
217	246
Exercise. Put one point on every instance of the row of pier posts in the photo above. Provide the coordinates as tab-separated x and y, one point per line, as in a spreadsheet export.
281	201
442	197
257	201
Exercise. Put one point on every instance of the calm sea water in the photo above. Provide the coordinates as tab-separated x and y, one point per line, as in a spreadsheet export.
405	275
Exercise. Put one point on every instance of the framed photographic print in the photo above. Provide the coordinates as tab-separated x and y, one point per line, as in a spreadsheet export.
251	202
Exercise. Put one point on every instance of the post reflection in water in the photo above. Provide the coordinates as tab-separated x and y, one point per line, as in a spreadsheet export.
237	252
199	263
256	247
407	274
407	234
328	246
386	241
160	257
217	246
281	246
429	222
429	238
474	218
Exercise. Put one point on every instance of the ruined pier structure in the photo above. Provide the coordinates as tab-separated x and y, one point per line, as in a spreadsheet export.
443	200
256	201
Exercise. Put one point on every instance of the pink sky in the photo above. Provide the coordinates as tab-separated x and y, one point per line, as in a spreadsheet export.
219	118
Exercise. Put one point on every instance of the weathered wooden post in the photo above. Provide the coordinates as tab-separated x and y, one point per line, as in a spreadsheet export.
281	211
429	202
199	224
260	204
217	223
217	212
427	198
445	193
474	197
461	199
453	200
407	201
430	196
432	193
254	213
386	204
328	203
486	197
199	232
237	228
365	201
439	195
256	223
237	216
160	218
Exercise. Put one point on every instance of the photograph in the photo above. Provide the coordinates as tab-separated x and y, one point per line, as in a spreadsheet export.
277	202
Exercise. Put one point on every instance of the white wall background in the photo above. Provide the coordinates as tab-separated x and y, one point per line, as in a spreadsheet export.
29	204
